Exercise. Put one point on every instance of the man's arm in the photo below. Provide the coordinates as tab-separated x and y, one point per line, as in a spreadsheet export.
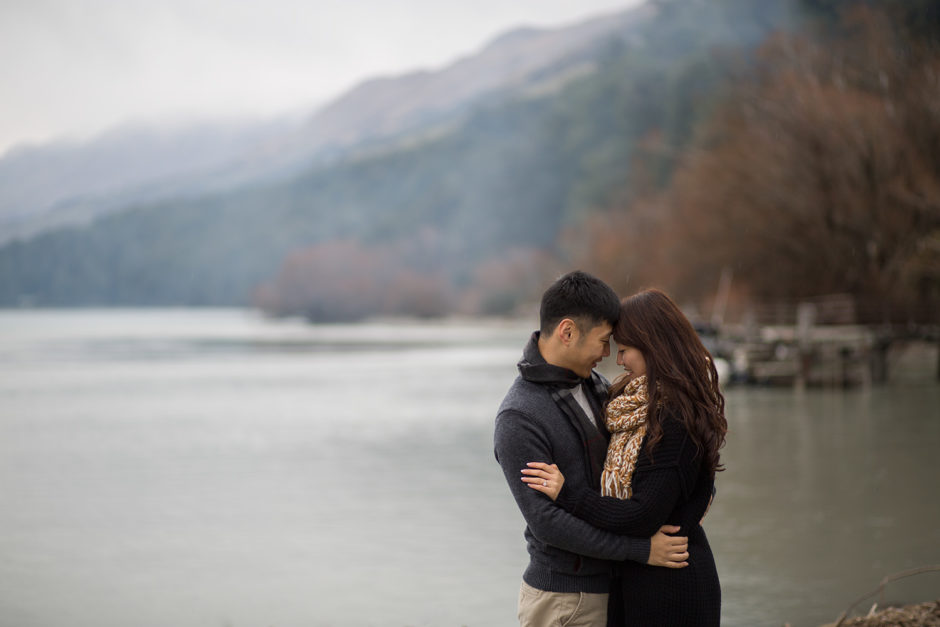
517	441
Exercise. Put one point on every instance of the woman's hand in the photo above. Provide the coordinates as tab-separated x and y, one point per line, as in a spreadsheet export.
546	478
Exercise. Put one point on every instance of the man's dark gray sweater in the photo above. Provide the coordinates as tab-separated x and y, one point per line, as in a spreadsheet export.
540	421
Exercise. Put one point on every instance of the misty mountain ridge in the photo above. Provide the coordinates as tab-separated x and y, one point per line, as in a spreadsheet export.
442	197
70	182
385	106
65	183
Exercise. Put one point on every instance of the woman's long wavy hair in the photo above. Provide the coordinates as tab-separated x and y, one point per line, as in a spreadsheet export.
680	373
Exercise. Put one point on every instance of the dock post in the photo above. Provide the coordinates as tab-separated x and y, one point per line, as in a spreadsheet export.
805	320
879	359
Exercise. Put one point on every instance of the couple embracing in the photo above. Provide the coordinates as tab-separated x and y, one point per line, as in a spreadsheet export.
613	480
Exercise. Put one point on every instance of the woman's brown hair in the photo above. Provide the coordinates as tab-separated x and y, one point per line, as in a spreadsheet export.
680	372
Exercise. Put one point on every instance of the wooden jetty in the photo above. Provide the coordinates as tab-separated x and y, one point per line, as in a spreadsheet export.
813	343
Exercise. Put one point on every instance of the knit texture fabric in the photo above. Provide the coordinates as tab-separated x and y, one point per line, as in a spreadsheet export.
539	420
626	421
560	384
671	487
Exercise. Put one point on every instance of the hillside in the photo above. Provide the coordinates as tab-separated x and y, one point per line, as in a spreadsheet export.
70	182
442	196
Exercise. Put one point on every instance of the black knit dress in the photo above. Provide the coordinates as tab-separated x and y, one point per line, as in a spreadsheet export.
671	488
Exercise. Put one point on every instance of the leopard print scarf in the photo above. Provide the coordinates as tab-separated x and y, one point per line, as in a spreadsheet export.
626	421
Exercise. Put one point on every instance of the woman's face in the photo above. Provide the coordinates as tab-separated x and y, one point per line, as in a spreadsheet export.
631	359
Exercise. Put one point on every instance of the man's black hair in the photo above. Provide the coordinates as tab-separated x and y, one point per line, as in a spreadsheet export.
580	296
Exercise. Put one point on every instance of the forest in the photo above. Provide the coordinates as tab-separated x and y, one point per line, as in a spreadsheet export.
816	174
790	146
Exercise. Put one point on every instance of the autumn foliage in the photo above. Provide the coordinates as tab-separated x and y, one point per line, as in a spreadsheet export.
819	174
347	280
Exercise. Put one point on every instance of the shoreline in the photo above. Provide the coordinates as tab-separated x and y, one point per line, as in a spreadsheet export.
926	614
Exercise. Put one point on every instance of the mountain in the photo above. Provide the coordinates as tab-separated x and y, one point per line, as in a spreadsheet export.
69	182
387	106
64	183
440	186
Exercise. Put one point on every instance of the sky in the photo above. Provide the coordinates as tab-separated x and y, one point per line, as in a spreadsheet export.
71	69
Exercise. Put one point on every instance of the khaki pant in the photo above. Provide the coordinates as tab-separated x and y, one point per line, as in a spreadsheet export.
538	608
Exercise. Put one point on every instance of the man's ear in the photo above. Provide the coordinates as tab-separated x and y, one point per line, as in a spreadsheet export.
567	331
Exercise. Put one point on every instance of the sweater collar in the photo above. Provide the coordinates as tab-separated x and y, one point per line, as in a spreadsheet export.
535	369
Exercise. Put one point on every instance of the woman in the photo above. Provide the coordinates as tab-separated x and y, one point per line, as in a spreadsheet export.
666	418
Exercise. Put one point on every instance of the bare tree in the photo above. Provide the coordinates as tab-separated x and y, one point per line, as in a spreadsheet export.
822	174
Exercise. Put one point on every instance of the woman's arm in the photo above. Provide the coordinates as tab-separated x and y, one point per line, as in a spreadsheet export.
654	498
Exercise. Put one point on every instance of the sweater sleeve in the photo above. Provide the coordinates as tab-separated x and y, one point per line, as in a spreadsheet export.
659	484
518	441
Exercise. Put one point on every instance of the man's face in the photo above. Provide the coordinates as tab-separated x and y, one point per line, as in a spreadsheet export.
589	349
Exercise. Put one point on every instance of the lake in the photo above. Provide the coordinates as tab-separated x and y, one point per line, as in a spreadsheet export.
216	468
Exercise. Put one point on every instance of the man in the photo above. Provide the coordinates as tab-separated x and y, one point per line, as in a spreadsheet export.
553	413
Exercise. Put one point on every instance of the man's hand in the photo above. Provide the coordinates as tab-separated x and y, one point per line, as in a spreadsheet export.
669	551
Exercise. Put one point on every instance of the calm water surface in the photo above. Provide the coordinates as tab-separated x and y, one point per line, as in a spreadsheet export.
212	468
